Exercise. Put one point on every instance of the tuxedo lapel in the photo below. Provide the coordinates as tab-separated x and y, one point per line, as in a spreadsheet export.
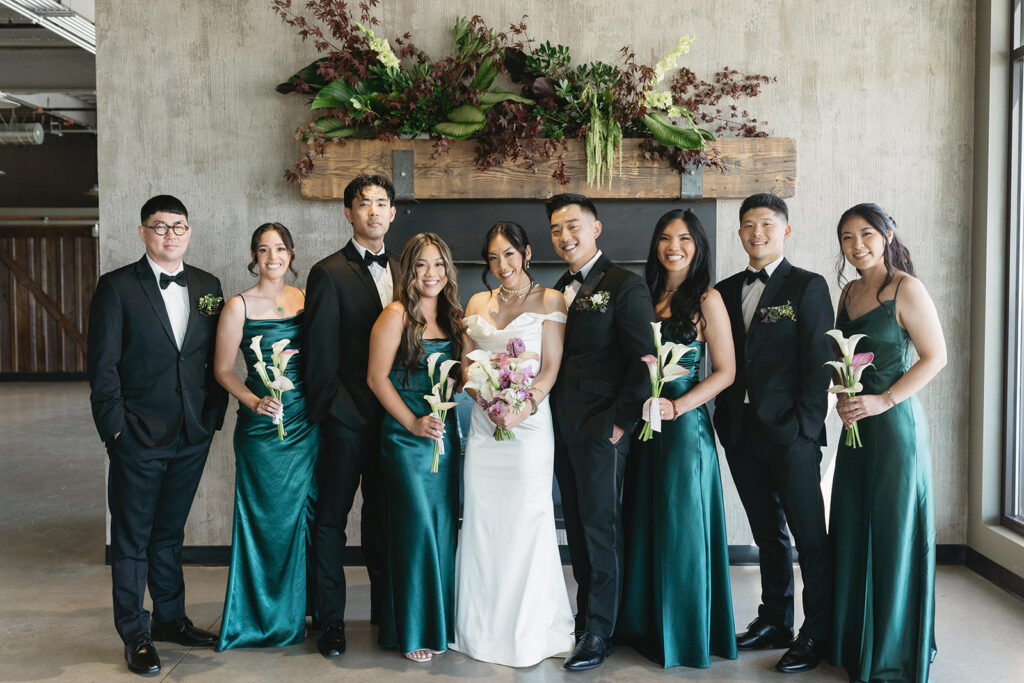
772	288
147	281
362	273
192	292
593	279
732	294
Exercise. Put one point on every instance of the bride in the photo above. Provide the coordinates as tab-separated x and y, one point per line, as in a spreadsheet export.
511	605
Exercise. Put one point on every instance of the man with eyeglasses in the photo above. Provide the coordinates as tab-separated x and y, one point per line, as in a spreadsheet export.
156	405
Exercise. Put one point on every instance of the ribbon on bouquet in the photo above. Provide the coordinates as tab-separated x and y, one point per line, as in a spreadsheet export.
652	413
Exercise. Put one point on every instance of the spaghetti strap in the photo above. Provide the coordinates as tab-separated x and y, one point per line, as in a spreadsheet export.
245	310
897	290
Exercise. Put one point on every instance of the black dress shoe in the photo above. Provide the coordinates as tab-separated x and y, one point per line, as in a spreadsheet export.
332	640
182	632
760	634
589	653
576	635
803	656
141	655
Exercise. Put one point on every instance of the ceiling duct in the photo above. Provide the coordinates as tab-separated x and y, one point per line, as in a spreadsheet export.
57	18
22	134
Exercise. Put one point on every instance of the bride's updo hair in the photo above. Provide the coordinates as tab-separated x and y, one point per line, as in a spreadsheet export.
516	236
286	238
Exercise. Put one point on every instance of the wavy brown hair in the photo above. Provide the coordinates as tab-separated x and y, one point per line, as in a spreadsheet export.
449	311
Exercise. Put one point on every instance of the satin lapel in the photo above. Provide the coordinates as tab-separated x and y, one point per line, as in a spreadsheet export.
362	272
775	283
563	282
192	292
733	297
588	287
147	281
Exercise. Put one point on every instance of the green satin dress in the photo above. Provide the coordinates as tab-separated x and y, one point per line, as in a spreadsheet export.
275	493
676	600
422	521
883	523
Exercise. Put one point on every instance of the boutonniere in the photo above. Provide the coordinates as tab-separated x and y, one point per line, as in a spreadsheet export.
598	301
773	314
210	304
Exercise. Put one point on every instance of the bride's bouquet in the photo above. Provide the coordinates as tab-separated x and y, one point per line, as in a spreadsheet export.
502	381
280	355
440	398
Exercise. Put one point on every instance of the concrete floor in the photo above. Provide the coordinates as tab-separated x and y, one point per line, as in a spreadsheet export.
55	613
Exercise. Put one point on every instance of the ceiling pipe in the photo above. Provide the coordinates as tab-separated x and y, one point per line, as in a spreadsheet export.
21	134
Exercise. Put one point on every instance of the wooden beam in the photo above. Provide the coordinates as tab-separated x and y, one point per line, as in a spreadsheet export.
752	165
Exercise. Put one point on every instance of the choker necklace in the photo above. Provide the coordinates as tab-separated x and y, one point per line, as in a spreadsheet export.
506	295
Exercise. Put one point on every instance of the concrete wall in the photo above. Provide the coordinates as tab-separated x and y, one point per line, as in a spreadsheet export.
879	100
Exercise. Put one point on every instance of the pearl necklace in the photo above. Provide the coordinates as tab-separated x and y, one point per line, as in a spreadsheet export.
506	295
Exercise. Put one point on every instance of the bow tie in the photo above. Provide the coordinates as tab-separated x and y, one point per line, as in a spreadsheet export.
380	259
577	276
752	275
166	279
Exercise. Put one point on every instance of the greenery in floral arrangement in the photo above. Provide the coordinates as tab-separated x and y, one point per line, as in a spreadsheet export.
364	87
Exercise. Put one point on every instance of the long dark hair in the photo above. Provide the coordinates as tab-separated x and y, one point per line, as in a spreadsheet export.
286	239
896	255
685	304
449	312
516	236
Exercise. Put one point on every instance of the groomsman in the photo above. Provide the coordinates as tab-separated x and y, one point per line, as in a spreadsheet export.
156	405
345	293
771	423
601	387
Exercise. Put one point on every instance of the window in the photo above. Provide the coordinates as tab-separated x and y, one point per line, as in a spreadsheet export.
1013	492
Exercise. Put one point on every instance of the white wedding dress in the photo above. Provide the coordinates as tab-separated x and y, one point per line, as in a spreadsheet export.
511	604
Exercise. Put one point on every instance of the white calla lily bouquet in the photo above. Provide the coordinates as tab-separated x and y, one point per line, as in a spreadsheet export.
279	357
850	369
664	367
440	398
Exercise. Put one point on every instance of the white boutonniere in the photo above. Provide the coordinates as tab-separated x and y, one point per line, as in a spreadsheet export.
598	301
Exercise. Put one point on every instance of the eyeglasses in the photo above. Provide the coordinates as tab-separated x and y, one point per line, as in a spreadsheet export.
161	228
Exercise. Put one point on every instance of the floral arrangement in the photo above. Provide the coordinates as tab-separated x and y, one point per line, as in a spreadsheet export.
280	355
366	86
440	398
850	369
773	314
598	301
664	368
209	304
502	381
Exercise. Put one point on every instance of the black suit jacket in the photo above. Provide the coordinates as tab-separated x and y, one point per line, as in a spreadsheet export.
342	304
781	364
140	381
602	382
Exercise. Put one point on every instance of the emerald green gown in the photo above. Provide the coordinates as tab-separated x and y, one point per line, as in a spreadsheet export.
422	520
676	600
883	523
265	602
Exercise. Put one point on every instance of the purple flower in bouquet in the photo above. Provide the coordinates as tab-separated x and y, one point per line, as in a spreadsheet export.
502	380
515	346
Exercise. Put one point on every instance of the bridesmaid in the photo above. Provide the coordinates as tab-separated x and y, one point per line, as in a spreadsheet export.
422	507
677	602
265	604
884	614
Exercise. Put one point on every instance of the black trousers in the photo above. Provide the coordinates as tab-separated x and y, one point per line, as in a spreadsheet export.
150	493
779	485
346	459
590	482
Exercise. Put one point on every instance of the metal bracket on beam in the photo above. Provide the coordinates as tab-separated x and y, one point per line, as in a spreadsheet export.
401	173
691	182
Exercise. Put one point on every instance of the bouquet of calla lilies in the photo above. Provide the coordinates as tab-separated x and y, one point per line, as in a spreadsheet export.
850	369
279	356
440	398
502	381
664	368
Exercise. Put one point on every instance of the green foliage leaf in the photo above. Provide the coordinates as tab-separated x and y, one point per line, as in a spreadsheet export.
458	131
334	129
339	94
493	97
467	113
485	74
671	135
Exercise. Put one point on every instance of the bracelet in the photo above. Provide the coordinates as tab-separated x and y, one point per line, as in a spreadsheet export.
891	399
535	407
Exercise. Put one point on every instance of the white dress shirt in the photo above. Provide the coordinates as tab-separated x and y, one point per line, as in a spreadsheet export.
573	288
750	295
175	301
381	275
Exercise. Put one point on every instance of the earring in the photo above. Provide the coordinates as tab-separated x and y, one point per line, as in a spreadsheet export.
527	265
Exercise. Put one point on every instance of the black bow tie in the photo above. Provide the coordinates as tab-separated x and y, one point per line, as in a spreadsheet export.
380	259
577	276
752	275
166	279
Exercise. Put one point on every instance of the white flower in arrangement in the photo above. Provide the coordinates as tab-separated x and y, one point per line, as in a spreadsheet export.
440	398
279	356
658	99
383	49
672	58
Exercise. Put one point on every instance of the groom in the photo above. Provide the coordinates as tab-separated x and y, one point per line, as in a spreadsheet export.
771	424
601	387
156	405
345	293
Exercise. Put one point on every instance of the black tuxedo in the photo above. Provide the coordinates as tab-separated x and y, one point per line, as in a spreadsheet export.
166	405
773	443
342	304
601	383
